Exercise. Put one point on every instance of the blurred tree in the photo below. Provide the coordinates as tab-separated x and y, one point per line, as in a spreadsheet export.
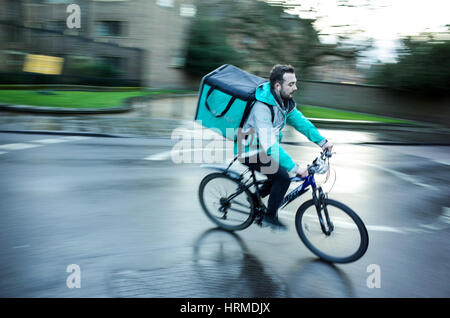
422	66
254	35
208	48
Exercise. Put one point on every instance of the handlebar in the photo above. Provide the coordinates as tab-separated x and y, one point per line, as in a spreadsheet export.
326	154
319	165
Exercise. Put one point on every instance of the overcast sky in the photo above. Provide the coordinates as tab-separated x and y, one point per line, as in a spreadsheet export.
385	21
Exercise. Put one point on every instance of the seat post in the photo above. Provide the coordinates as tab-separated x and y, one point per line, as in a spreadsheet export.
255	182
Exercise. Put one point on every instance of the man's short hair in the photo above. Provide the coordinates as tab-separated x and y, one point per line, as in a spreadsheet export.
277	73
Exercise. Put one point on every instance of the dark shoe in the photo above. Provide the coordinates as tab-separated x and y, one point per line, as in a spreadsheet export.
273	223
259	203
264	191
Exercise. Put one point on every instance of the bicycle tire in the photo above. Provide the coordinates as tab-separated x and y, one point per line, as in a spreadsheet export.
363	234
247	218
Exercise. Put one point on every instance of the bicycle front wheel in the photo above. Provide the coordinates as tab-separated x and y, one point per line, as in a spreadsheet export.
348	240
224	203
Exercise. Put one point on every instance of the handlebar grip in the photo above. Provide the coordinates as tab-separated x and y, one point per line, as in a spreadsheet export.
326	153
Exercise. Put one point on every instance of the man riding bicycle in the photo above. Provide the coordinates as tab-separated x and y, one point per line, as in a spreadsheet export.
273	109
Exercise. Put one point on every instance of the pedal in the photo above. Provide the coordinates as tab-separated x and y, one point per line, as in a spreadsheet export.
259	220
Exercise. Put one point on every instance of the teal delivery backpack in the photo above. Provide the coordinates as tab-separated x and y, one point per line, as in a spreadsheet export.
225	99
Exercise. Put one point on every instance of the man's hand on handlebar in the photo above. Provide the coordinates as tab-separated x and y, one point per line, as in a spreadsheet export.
328	146
302	172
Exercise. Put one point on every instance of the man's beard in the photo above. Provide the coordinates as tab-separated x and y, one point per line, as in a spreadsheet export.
284	96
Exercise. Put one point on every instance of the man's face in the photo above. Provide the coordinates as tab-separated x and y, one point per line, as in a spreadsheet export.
289	86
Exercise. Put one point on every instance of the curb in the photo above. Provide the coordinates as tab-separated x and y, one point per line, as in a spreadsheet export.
341	123
61	110
131	101
293	143
62	133
377	143
126	107
377	126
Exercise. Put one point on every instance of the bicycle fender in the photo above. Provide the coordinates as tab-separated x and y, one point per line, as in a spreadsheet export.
228	172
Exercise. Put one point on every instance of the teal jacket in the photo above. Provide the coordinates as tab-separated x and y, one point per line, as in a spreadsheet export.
268	134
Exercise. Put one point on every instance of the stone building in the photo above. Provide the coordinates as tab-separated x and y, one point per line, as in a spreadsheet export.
135	39
128	42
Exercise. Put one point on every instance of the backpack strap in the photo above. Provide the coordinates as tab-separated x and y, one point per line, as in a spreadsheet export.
272	112
247	112
249	108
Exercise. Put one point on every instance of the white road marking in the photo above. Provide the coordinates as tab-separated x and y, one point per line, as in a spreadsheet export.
438	154
76	138
442	161
17	146
50	141
383	228
443	222
22	246
39	143
163	155
290	215
404	177
166	155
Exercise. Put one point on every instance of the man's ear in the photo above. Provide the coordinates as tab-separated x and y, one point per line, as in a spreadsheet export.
277	86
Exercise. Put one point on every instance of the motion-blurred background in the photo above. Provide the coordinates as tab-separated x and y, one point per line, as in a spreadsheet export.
373	76
374	56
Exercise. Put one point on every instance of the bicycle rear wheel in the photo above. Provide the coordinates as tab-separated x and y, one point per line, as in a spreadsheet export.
214	193
348	240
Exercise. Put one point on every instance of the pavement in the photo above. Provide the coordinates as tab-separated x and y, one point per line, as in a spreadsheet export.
129	217
127	214
159	118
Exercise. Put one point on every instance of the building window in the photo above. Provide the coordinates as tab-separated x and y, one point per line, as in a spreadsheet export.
58	1
109	28
188	10
56	25
12	11
14	34
177	61
13	61
110	66
165	3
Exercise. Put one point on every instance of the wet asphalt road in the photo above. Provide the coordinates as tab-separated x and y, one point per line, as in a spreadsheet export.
129	217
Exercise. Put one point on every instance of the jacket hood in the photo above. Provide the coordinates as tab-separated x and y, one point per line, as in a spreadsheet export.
264	94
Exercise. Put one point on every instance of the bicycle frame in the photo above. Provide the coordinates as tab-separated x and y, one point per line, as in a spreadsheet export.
297	192
300	190
318	197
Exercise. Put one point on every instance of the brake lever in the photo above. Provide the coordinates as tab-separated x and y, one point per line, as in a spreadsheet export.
326	154
310	168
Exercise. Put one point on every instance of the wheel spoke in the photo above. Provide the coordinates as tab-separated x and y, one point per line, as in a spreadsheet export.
239	211
348	240
240	204
214	190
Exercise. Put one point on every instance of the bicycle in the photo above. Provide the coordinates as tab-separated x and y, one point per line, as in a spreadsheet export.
321	223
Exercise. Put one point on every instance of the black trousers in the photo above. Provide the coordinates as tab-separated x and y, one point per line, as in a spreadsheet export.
276	185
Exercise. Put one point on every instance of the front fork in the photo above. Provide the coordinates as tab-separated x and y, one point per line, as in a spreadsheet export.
319	198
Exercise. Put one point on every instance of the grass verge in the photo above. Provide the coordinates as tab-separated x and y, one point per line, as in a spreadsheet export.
330	113
73	99
86	100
